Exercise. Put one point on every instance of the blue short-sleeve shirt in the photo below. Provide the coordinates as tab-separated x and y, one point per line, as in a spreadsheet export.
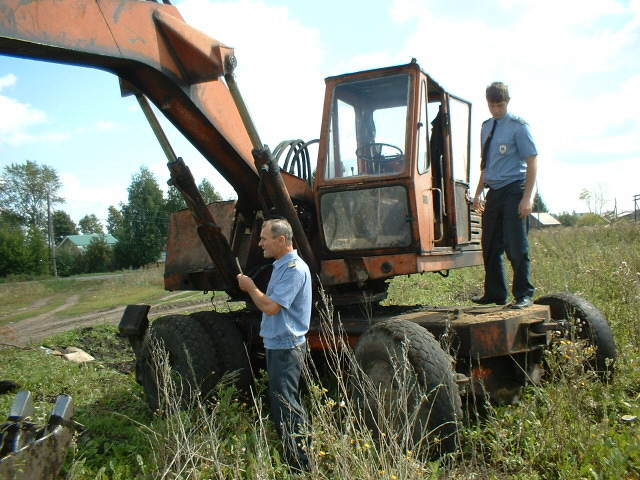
511	145
289	287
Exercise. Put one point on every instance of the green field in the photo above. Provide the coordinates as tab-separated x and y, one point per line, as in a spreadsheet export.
570	427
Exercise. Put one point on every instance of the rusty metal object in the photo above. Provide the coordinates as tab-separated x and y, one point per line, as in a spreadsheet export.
340	271
188	265
476	332
270	171
281	200
27	452
214	241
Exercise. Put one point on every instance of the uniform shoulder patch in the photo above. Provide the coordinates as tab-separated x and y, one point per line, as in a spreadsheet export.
486	121
520	120
292	263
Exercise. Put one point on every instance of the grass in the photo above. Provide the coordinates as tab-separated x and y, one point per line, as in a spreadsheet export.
93	294
570	427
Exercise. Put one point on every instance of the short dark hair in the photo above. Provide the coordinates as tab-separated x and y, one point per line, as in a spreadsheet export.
497	92
279	226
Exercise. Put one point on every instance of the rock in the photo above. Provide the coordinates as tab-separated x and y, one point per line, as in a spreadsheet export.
75	354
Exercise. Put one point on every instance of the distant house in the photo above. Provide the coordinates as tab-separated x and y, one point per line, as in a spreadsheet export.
632	215
542	220
81	242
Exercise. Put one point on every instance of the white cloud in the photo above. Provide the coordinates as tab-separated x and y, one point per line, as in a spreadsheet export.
83	198
572	75
369	61
7	80
560	184
279	61
16	119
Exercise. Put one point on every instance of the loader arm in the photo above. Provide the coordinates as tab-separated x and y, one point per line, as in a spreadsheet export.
149	45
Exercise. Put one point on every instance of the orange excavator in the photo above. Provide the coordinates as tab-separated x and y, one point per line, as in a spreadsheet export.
389	196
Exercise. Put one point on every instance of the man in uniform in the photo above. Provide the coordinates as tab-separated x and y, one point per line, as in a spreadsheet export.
286	313
508	170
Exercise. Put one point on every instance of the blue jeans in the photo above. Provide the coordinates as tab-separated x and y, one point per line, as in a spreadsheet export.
284	368
504	231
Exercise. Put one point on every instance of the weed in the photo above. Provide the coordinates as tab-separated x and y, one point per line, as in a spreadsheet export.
570	426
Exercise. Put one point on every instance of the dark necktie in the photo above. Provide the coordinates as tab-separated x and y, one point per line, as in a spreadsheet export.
485	149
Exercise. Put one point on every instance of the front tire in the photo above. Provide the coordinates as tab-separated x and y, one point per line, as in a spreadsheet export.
229	348
409	386
187	348
583	321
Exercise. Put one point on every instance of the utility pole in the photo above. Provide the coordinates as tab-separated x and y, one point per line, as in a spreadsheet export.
52	246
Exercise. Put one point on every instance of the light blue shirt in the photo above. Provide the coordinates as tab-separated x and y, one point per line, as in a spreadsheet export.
511	145
289	287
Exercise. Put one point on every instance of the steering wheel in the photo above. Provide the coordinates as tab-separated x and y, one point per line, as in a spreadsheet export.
372	152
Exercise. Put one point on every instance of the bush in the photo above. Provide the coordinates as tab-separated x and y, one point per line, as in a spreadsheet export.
98	256
567	219
591	220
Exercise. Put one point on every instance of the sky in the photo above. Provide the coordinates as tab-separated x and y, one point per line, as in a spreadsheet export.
573	68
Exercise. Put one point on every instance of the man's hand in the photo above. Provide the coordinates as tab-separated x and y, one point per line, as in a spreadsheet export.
524	208
245	283
478	204
264	303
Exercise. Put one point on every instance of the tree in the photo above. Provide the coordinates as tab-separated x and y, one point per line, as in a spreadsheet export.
90	224
12	246
22	251
175	201
567	219
594	199
538	204
62	225
145	221
24	190
585	196
114	222
98	256
69	262
208	192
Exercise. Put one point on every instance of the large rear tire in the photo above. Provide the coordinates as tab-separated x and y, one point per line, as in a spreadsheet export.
229	349
408	386
583	321
186	346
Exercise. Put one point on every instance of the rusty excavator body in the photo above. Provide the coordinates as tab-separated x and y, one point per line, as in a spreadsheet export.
389	196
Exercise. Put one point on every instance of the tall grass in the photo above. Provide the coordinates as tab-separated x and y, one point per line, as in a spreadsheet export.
233	438
571	426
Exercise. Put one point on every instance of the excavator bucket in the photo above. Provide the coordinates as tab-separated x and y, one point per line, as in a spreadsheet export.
29	452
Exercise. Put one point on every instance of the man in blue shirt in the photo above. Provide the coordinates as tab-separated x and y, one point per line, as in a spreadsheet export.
286	314
509	167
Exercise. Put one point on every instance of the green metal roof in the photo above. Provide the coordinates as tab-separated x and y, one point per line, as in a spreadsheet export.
85	240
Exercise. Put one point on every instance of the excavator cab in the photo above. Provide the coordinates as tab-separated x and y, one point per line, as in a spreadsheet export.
393	166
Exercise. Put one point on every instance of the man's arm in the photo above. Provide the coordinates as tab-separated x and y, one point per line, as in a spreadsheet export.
478	205
263	302
524	209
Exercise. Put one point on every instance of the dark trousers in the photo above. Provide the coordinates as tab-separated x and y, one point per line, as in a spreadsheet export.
504	231
284	368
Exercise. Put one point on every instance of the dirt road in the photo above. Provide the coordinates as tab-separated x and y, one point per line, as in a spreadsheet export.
35	329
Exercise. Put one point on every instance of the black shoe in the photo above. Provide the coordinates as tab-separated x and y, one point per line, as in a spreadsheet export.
524	302
483	300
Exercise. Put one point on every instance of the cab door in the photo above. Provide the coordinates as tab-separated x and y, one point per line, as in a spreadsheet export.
459	119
